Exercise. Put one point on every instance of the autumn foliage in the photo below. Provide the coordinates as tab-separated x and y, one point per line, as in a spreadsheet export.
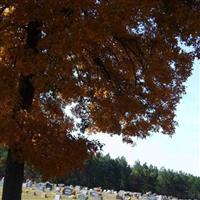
118	63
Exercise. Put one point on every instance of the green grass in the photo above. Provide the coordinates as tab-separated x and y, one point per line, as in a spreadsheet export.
28	194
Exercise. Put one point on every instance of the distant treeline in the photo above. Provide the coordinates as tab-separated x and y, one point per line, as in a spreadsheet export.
116	174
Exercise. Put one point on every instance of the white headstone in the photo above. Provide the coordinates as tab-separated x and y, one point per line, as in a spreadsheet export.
57	197
82	197
24	185
57	189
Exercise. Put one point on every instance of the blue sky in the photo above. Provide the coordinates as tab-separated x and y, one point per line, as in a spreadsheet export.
181	152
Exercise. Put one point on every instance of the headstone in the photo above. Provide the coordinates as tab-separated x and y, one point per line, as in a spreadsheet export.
40	186
67	191
93	193
29	183
57	189
57	197
152	197
126	197
24	185
48	186
161	197
120	195
100	196
83	196
96	195
137	195
145	198
78	188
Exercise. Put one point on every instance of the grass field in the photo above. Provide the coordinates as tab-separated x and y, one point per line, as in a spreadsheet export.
28	194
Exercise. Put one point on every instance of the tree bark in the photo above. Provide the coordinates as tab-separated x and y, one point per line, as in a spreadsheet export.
13	180
14	173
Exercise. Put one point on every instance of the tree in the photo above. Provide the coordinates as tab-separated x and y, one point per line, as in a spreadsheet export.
143	178
101	171
117	174
3	156
117	64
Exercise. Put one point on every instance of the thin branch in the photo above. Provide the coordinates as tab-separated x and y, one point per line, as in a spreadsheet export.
99	63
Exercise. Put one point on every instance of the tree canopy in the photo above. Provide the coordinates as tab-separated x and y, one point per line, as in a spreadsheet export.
118	64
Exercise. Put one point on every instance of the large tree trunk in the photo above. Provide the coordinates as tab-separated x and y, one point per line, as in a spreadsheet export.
13	180
14	173
12	188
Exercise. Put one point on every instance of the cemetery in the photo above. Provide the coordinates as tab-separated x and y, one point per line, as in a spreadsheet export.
50	191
